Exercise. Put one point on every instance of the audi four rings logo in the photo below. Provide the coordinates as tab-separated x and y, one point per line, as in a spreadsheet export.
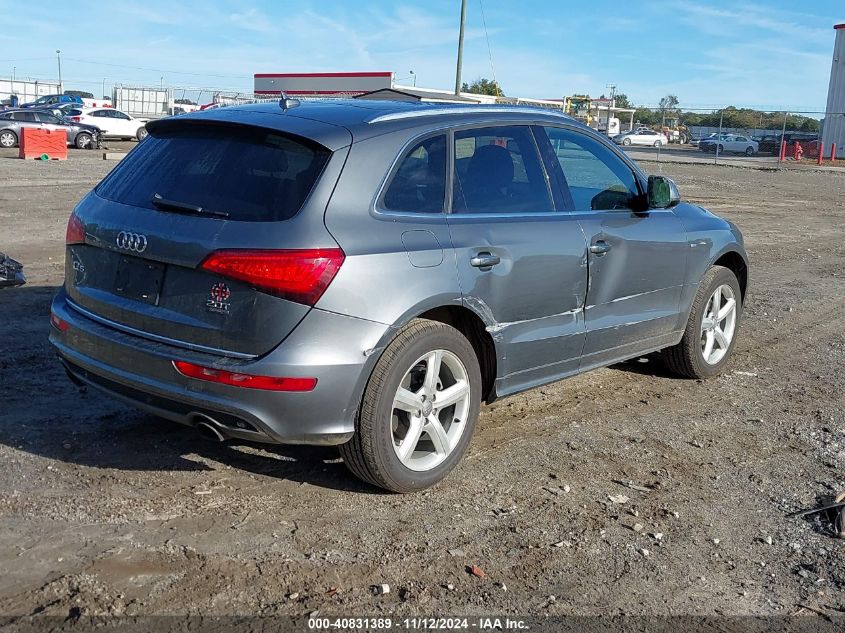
134	242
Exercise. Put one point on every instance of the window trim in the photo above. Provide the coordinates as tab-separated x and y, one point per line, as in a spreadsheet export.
528	125
379	206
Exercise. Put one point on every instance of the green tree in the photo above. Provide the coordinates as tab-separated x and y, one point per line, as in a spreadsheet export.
79	93
691	118
668	105
646	116
622	101
484	86
810	125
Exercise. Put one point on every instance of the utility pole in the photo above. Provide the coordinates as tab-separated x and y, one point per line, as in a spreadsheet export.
59	60
104	88
612	105
460	48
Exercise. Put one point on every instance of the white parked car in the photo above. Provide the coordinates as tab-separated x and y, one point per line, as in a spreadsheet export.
734	143
114	123
642	136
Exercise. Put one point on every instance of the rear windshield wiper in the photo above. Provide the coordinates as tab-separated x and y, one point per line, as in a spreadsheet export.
184	207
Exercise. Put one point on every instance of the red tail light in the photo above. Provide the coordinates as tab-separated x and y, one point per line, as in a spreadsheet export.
75	233
298	275
269	383
60	324
76	119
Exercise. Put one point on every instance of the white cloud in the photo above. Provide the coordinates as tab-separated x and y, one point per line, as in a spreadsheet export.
252	20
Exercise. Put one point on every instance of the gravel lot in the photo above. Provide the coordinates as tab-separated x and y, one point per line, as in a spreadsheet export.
105	510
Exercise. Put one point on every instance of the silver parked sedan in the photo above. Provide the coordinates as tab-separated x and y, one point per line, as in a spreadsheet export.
366	274
643	136
13	121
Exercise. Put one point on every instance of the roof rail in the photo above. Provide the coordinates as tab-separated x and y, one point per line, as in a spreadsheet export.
443	111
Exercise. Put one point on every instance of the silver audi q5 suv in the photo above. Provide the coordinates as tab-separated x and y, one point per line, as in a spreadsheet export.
367	273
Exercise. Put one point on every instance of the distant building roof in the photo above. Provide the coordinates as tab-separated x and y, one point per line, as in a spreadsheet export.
411	93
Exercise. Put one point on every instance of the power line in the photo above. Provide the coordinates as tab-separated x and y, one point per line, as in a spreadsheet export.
157	70
489	50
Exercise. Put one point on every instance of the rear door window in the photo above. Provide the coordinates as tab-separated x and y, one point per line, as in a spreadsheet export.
243	173
498	170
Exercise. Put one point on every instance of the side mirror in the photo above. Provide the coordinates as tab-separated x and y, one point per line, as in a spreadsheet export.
662	193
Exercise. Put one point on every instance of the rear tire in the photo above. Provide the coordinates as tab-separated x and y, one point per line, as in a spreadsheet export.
687	358
382	427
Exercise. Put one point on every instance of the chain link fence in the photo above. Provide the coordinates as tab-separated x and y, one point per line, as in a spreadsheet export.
734	136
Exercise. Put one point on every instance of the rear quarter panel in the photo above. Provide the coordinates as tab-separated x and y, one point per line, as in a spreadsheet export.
397	265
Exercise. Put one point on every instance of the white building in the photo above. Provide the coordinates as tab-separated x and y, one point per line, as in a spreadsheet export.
834	122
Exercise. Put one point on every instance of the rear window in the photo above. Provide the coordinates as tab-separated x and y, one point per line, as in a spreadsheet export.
248	174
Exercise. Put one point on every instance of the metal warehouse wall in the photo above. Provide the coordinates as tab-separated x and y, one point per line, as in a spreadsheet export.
834	122
28	90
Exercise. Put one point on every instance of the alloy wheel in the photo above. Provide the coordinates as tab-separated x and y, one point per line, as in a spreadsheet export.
7	139
430	410
718	324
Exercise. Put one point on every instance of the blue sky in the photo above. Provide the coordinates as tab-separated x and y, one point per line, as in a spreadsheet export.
768	54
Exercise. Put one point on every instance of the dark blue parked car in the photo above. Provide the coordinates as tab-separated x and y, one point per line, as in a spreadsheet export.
48	100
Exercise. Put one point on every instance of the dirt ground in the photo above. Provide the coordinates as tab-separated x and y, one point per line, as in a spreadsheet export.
105	510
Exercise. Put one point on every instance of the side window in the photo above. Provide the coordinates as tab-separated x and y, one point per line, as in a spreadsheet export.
498	170
100	113
118	115
598	180
28	117
419	183
46	117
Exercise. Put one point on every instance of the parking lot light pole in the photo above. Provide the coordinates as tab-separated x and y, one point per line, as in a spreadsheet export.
59	60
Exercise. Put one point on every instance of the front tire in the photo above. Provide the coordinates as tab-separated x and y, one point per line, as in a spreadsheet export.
8	138
84	141
141	134
419	409
658	143
712	327
626	141
749	151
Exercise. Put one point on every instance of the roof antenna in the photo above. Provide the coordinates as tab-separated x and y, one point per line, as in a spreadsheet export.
286	103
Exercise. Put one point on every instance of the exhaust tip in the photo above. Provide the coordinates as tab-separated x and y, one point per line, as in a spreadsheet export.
209	432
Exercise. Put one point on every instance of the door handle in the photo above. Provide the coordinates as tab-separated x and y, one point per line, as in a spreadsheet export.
484	260
599	248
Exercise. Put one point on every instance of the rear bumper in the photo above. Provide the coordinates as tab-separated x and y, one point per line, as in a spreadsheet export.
339	351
